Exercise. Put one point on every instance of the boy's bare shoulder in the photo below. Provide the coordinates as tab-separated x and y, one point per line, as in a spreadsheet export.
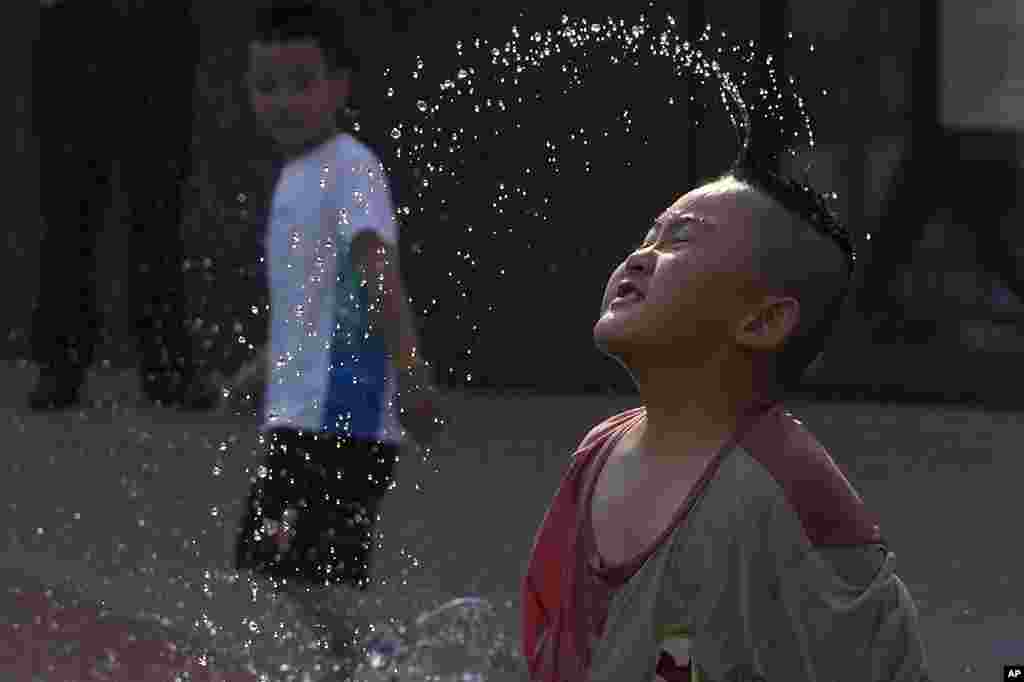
609	426
815	488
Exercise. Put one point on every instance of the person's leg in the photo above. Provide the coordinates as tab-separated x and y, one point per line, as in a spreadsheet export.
265	541
271	545
349	522
914	196
73	190
74	175
310	533
345	529
158	164
906	208
321	512
989	208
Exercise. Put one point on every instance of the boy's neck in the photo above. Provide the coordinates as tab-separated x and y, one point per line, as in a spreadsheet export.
315	143
688	417
682	431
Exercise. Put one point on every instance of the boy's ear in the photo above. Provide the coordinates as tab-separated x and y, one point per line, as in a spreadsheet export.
769	326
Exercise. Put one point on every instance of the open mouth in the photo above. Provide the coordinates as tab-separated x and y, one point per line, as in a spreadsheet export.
626	300
627	293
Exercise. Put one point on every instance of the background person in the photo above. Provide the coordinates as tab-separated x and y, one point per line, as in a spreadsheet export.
342	353
113	81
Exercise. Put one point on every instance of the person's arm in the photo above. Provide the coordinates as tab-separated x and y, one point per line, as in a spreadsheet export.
777	601
250	379
848	613
257	366
375	262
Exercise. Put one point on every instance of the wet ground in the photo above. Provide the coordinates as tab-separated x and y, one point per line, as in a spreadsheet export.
125	509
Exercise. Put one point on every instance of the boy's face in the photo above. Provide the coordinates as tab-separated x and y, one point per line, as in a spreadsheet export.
292	92
693	273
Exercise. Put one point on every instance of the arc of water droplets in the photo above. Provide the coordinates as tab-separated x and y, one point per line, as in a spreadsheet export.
520	56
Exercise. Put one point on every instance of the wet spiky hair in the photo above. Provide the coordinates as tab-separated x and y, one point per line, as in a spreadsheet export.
820	309
799	198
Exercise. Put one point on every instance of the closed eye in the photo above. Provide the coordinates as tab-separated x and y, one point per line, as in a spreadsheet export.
680	233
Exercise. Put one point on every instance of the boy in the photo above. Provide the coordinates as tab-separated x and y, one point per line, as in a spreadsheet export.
707	535
341	333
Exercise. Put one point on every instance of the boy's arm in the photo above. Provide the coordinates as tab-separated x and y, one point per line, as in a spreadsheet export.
259	362
251	377
863	614
376	263
845	612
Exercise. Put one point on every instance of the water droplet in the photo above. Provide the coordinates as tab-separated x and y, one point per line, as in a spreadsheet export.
463	74
395	133
422	106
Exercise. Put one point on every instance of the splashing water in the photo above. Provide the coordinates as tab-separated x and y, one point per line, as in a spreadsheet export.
459	641
497	101
444	130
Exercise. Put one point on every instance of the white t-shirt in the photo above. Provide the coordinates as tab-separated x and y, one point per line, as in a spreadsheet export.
327	375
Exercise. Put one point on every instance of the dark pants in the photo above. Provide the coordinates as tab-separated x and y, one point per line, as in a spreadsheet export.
110	85
974	175
311	520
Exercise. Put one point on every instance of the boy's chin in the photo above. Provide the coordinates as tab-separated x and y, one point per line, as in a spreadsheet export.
615	342
612	331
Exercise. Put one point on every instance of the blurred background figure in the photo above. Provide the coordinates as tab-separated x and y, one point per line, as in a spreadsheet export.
960	162
113	84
